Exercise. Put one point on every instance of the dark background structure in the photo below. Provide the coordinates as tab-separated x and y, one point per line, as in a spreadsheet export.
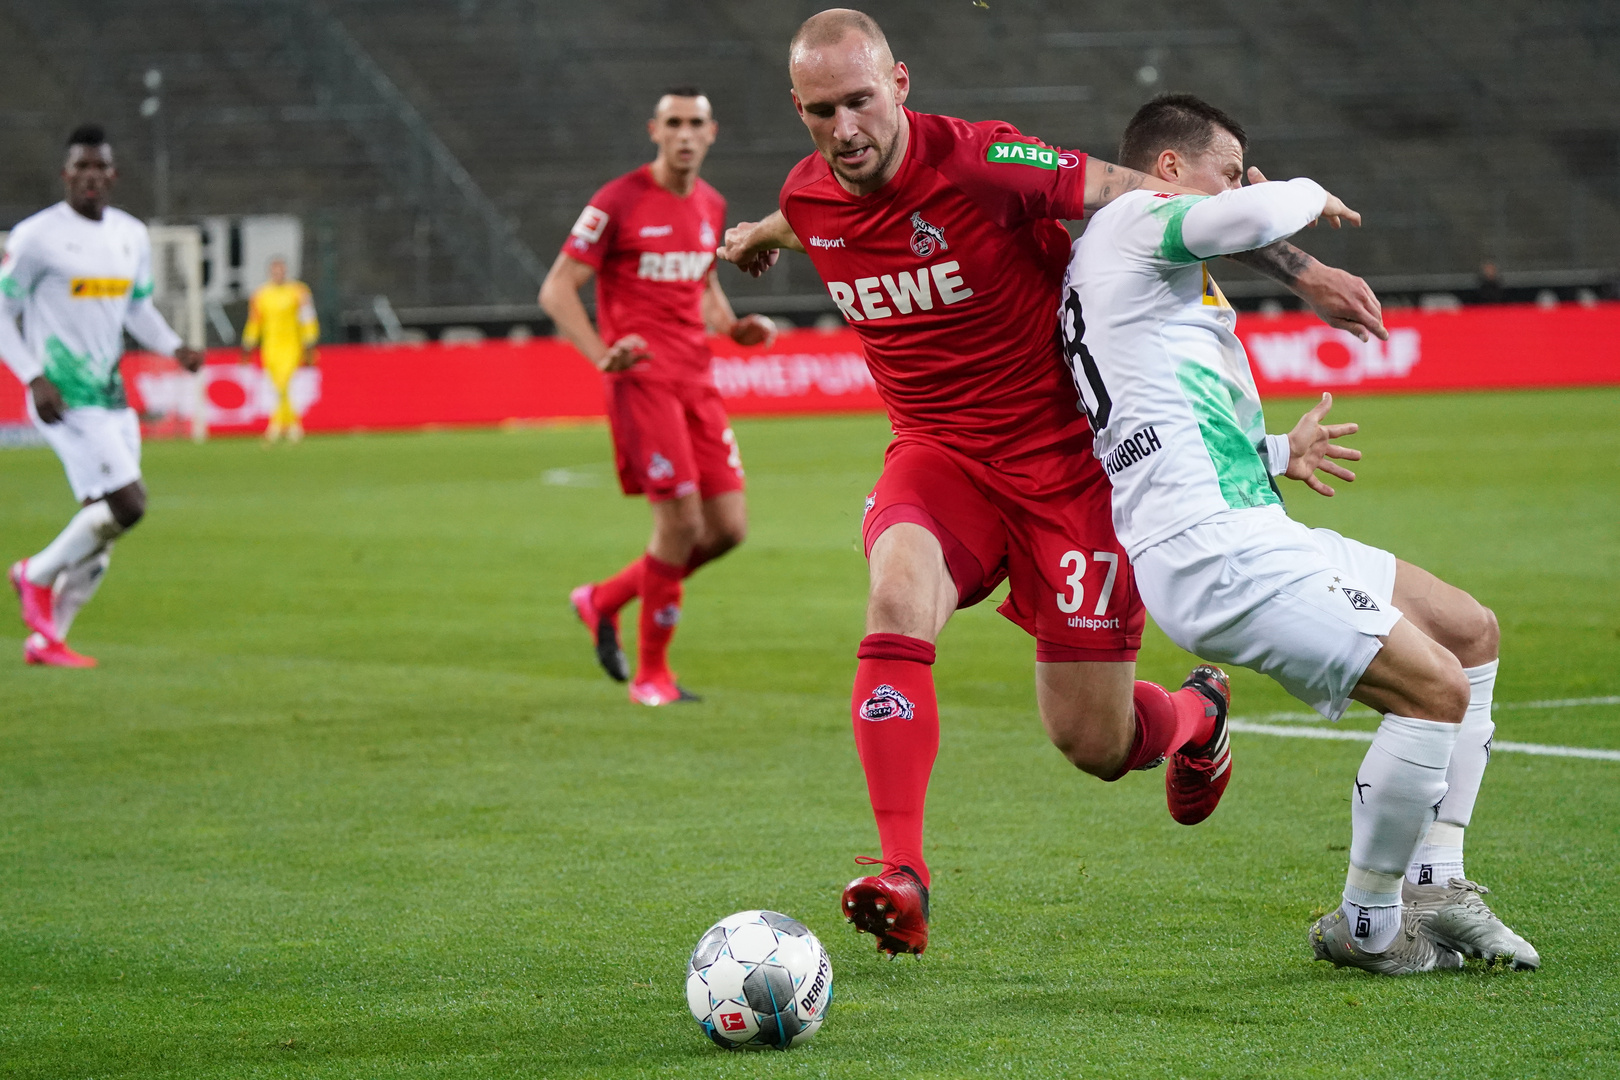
439	150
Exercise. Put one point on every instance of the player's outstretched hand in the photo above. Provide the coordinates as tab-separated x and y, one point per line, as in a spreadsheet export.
1334	210
753	330
47	400
1310	448
189	358
747	246
624	354
1335	213
1342	300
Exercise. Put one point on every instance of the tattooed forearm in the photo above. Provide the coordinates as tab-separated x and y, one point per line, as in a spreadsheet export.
1282	261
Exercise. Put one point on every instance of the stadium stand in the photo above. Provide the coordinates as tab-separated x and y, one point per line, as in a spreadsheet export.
440	150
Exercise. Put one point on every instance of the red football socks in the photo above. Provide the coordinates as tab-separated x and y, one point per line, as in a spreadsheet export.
660	611
615	592
897	735
611	595
1166	721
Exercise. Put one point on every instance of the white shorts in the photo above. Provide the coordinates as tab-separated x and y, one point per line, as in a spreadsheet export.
100	448
1257	589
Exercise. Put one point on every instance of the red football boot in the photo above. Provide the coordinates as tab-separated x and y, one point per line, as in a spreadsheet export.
893	908
40	650
660	690
604	632
1196	778
38	602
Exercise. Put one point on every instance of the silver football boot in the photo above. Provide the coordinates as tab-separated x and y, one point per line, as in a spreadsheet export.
1456	917
1411	952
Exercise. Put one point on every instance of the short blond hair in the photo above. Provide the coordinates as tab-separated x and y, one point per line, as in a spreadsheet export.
829	27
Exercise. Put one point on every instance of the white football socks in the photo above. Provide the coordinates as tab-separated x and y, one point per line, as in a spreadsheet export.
89	531
1400	783
76	585
1440	857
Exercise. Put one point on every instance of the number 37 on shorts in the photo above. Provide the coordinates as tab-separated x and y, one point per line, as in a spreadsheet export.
1077	565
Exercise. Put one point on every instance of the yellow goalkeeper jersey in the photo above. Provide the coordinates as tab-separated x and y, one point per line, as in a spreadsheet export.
281	321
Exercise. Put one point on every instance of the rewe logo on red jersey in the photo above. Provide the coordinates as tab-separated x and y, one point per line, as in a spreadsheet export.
674	265
917	290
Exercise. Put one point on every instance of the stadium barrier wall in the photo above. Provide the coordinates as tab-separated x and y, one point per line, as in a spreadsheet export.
370	387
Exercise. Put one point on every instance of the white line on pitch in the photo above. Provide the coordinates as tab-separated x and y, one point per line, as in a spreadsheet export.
1367	736
1359	713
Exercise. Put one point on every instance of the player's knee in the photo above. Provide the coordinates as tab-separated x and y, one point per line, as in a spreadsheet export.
1087	750
895	608
1488	637
680	530
1448	693
1471	633
730	534
128	505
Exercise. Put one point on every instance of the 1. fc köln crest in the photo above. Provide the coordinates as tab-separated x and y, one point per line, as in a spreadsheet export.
926	239
887	703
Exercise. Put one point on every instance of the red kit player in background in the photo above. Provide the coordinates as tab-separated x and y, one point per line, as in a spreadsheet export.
939	241
649	238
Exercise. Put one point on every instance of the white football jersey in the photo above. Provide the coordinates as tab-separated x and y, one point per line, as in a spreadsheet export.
1149	337
77	284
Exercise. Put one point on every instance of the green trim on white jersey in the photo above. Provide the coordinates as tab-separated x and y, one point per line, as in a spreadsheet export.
1243	477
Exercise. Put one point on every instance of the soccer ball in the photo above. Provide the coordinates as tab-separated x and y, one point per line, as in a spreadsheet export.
759	980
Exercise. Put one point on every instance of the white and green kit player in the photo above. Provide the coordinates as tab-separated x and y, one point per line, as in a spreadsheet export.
1230	576
77	275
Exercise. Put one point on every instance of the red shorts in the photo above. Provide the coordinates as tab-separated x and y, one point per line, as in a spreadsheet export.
1042	520
671	439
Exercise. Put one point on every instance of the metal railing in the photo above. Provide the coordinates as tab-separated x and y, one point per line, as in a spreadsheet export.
481	241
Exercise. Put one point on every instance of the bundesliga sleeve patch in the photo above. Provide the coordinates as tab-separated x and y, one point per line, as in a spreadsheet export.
1014	153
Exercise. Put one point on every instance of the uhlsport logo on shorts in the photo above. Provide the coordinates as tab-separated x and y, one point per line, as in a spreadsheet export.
887	703
1359	600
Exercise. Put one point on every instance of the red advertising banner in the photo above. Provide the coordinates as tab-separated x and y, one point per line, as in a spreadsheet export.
379	387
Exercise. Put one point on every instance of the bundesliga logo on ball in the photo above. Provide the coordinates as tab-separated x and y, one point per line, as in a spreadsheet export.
759	980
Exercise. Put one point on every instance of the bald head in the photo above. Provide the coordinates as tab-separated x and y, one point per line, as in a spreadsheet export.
850	93
830	27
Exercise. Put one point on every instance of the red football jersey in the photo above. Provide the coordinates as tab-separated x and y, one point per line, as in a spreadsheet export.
652	251
951	274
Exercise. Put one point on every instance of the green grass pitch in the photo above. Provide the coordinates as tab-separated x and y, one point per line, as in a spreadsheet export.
349	798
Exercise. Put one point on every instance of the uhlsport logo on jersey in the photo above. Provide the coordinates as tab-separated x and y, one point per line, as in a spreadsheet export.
887	703
925	238
1033	154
